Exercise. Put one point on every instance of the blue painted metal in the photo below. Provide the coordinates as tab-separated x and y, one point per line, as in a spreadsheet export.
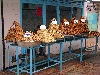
8	59
71	14
85	43
96	44
17	60
83	9
31	61
57	59
70	50
34	59
81	50
44	13
76	3
57	3
48	55
58	14
61	49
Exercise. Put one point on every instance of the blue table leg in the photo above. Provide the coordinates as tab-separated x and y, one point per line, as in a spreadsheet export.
22	50
8	57
30	61
85	43
48	54
26	57
17	60
81	51
61	48
69	51
96	45
34	59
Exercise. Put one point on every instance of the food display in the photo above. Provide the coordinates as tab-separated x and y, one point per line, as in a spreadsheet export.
54	30
94	33
53	33
15	33
64	26
45	36
74	27
83	25
36	37
28	37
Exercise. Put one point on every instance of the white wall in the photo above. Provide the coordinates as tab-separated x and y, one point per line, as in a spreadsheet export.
1	47
11	13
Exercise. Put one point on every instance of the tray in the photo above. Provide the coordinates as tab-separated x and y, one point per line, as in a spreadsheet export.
28	44
69	37
59	40
12	43
78	35
85	33
49	43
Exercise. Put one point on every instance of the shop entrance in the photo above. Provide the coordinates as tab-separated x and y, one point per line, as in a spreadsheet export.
31	17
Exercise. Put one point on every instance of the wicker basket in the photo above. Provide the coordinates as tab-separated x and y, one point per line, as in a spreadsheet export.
28	44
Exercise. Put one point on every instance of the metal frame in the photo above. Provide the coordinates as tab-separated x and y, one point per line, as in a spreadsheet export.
58	59
57	3
3	43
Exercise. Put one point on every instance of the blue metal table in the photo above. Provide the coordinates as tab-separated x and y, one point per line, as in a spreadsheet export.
57	59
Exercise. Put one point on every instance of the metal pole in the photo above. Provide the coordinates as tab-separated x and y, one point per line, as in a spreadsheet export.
81	51
17	60
71	14
58	14
2	18
48	54
44	13
30	61
61	48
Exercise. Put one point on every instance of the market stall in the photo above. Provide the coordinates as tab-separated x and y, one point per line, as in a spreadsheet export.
48	37
57	33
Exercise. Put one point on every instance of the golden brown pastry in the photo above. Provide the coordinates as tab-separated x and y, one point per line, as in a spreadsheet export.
15	34
94	33
54	30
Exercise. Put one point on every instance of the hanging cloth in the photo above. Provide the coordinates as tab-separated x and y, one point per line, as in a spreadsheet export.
39	11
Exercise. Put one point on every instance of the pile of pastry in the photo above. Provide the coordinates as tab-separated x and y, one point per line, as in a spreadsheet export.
74	27
50	34
94	33
15	33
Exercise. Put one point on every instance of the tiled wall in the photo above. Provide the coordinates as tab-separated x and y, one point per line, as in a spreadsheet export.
99	19
92	16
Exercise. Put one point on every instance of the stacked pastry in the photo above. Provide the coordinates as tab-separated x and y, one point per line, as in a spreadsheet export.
54	30
74	27
83	25
15	34
94	33
36	37
45	36
28	37
64	26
